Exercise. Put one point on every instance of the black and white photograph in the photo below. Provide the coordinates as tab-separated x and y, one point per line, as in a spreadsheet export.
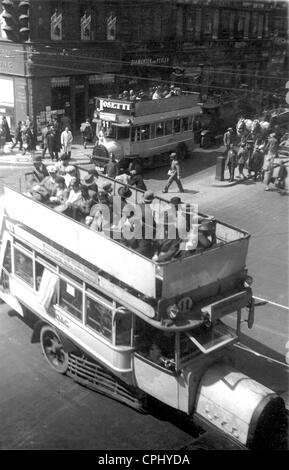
144	216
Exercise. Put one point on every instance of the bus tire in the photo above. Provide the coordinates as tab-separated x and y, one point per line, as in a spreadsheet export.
53	350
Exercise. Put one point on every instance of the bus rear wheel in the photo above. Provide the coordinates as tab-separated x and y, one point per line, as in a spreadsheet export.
53	350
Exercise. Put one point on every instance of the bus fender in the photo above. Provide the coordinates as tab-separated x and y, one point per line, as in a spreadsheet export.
68	345
35	338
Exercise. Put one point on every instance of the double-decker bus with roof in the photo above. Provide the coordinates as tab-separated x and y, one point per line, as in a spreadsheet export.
131	327
145	131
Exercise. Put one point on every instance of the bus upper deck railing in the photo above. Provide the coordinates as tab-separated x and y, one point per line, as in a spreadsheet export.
121	263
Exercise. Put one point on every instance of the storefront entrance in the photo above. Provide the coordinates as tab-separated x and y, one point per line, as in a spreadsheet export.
80	109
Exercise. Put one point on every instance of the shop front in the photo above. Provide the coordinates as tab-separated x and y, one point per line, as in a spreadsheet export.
13	84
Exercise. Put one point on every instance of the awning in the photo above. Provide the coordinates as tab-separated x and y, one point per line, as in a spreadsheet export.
59	82
101	78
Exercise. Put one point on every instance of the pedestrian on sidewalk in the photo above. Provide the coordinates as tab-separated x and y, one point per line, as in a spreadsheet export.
174	174
86	131
228	139
268	168
256	162
242	157
6	129
17	136
231	161
66	141
281	177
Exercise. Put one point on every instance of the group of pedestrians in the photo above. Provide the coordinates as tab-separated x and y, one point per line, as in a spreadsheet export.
24	135
258	155
55	138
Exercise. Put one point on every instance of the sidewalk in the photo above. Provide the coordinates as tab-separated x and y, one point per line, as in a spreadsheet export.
15	158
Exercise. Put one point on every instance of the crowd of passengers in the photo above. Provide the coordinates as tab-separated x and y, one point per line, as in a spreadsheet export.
153	93
86	201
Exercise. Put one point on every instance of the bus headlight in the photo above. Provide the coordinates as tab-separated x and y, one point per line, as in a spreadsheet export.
172	311
248	281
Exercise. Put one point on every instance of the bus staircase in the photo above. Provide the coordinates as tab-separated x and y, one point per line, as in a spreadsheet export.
90	374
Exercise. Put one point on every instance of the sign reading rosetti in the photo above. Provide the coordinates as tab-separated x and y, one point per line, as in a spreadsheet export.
113	106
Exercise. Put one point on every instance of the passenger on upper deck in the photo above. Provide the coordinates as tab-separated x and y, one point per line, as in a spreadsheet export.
206	234
62	164
137	180
49	183
74	195
157	93
111	169
92	188
70	174
61	192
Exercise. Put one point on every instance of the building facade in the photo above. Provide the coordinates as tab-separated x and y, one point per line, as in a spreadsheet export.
57	56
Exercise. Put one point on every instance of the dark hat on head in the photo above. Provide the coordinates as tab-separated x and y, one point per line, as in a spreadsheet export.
148	196
59	180
106	187
124	192
176	201
37	158
93	172
206	226
88	180
64	156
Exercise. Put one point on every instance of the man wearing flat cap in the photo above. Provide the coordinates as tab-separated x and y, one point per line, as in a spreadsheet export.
174	174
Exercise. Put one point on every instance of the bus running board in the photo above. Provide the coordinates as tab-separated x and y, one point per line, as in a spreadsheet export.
90	374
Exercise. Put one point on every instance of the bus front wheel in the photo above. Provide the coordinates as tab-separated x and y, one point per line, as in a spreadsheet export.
53	350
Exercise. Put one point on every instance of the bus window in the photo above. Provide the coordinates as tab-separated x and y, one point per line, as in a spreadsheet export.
70	299
122	132
133	133
7	267
153	131
123	326
23	267
99	318
168	128
159	129
145	132
177	125
185	124
39	268
188	350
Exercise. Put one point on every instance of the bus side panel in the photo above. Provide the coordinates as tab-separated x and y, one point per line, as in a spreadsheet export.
204	268
111	257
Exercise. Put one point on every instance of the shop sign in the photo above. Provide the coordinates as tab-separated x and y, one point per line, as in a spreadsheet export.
110	106
150	61
11	62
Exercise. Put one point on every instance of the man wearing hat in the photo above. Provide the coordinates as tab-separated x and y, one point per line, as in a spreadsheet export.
39	169
111	169
137	180
174	174
92	188
206	233
228	138
118	204
48	184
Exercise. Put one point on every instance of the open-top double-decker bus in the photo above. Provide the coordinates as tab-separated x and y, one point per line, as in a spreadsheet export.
131	327
146	131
